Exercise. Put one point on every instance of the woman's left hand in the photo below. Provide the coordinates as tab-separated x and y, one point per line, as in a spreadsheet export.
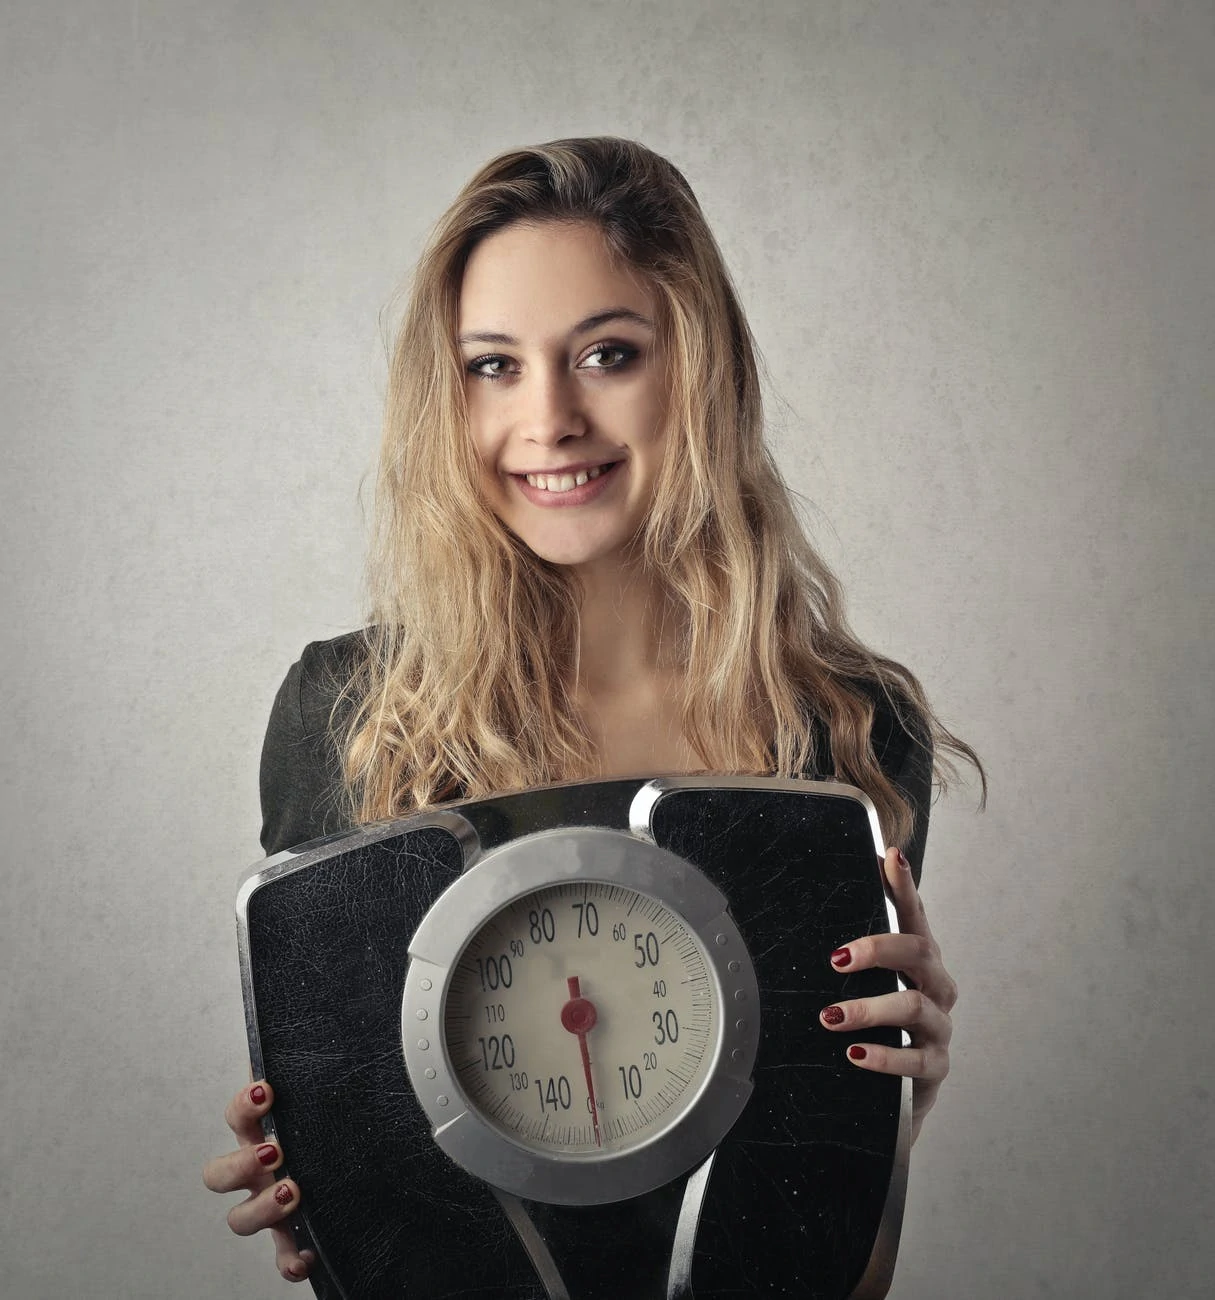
922	1009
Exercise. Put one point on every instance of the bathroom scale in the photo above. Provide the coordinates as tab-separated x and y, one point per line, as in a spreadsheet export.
564	1044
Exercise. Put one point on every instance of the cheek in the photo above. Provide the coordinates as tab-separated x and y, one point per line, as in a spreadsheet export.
656	417
480	428
483	446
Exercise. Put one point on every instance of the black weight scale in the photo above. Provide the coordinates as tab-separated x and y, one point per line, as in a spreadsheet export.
563	1044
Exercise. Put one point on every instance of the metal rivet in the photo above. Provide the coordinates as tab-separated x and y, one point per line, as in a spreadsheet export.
736	1054
734	967
740	996
421	1013
722	940
424	1044
740	1025
429	1072
427	985
441	1099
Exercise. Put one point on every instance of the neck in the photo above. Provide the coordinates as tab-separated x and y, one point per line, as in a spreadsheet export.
627	630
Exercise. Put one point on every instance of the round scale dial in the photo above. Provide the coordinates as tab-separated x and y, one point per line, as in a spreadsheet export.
581	1017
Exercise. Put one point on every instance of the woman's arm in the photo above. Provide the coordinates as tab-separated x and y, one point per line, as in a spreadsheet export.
301	771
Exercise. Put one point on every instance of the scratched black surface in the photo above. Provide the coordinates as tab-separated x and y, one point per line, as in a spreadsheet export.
798	1186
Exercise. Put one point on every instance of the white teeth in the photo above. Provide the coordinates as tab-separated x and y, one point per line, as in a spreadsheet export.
564	482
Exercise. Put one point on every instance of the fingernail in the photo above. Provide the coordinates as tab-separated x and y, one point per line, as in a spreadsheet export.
833	1015
267	1154
841	957
283	1194
903	861
257	1094
308	1256
856	1052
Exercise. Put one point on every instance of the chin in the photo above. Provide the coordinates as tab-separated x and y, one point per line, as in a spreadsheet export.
572	557
573	553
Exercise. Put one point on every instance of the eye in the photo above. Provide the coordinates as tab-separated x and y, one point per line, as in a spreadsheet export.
620	353
478	369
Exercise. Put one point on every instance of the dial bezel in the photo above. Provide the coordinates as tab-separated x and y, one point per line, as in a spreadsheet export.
495	881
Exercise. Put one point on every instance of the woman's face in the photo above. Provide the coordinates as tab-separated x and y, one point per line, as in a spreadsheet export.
566	389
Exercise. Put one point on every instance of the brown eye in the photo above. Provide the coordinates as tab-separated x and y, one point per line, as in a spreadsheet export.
618	355
478	368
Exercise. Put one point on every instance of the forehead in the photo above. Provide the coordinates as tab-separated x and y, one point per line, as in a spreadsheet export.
536	281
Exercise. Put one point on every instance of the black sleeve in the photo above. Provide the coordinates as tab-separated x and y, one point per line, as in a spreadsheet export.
301	776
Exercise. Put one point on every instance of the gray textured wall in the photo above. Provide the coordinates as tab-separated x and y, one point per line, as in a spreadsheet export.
975	243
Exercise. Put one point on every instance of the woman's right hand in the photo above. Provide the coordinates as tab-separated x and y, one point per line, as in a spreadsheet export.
251	1168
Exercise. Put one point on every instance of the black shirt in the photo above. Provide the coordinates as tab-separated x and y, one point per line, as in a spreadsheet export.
301	773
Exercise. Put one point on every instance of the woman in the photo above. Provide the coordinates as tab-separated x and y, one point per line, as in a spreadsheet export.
586	565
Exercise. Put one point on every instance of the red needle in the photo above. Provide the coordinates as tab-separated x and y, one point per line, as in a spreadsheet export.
579	1016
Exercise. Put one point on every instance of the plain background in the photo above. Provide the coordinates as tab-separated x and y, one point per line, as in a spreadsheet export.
975	244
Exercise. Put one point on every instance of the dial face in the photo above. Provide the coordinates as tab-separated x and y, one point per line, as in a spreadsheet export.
582	1019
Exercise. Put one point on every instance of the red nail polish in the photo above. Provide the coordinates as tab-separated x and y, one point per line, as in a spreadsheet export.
267	1154
833	1015
903	861
257	1094
841	957
282	1194
856	1052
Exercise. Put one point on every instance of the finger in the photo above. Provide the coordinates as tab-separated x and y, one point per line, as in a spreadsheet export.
265	1208
929	1063
244	1112
250	1168
907	905
292	1263
915	956
908	1009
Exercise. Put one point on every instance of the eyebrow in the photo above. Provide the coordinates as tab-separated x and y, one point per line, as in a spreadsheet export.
583	326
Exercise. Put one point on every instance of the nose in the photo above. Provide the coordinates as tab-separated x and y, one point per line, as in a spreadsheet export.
550	409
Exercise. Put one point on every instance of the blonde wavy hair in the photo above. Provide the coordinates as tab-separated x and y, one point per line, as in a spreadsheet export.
465	686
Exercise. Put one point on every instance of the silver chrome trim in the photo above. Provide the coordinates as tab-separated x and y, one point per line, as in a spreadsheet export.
641	810
509	872
879	1272
683	1247
307	855
534	1244
251	879
875	1281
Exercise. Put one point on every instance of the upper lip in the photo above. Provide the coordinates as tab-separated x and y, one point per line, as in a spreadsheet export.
569	469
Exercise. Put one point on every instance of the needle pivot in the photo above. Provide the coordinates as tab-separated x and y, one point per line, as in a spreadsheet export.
578	1016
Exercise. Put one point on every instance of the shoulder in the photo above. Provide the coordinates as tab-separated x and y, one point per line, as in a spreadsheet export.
321	674
301	771
902	741
900	735
902	744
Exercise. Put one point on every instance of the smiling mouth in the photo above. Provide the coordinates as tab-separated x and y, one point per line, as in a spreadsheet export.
567	482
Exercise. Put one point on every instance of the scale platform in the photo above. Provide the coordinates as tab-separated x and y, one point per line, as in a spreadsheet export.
765	1166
